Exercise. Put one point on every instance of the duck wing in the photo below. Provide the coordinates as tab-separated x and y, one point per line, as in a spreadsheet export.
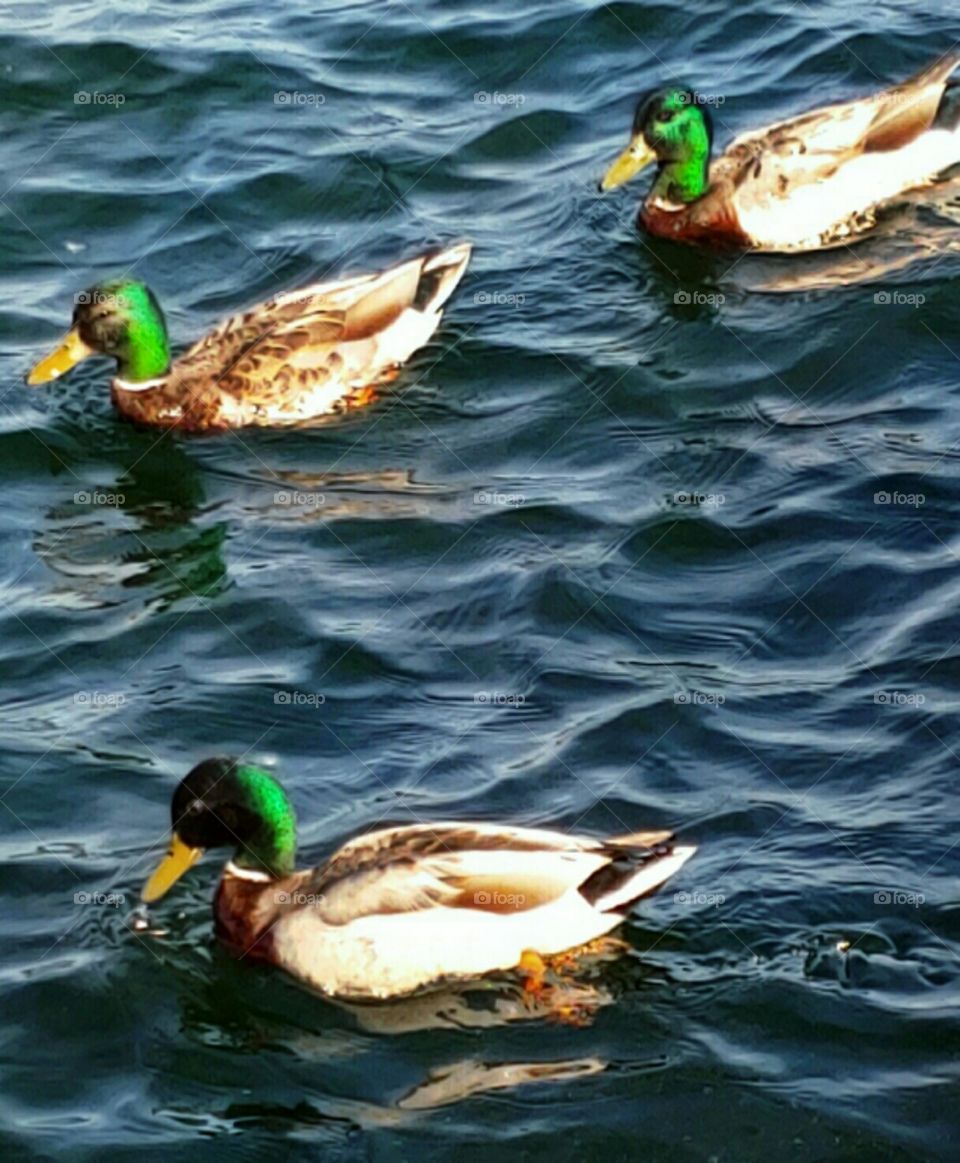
816	180
297	354
886	120
484	867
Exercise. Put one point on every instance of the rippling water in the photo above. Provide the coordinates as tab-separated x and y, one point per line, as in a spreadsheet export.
496	580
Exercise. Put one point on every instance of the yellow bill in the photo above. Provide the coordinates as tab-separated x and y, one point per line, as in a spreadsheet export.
180	859
71	351
634	158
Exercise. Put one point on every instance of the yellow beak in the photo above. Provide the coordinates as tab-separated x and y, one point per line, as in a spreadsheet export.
634	158
177	861
71	351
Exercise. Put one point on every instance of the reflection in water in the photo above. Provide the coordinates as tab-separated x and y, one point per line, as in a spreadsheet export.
482	1005
386	495
137	531
450	1084
227	1013
443	1087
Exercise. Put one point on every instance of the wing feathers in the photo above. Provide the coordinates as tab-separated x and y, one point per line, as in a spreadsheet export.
383	302
489	869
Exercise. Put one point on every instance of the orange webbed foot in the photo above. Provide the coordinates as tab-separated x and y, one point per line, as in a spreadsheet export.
533	969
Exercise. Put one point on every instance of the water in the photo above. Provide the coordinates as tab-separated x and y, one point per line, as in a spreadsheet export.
503	602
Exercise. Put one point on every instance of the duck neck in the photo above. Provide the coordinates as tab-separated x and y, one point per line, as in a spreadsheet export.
685	180
269	846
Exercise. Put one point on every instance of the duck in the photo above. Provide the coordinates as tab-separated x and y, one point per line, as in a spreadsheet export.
299	357
400	910
803	184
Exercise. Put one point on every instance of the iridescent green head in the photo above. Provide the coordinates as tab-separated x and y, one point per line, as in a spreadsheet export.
673	128
121	319
224	803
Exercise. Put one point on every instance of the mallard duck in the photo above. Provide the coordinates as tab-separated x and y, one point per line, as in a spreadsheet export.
802	184
402	909
297	357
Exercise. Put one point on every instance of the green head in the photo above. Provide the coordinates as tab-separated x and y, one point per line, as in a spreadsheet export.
120	319
223	803
673	128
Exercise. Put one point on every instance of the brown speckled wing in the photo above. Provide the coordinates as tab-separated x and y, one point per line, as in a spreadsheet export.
405	869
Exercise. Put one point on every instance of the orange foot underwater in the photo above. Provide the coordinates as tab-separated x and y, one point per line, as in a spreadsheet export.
563	998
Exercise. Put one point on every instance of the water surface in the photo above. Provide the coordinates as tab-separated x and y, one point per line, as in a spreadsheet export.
489	596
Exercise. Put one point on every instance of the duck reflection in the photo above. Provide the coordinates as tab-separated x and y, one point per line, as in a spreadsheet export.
443	1087
451	1084
381	495
139	531
483	1005
229	1011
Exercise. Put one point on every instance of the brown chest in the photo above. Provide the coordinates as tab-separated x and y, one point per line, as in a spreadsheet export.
709	222
243	918
171	406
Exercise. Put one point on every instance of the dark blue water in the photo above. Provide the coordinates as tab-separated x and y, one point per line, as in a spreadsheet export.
488	596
